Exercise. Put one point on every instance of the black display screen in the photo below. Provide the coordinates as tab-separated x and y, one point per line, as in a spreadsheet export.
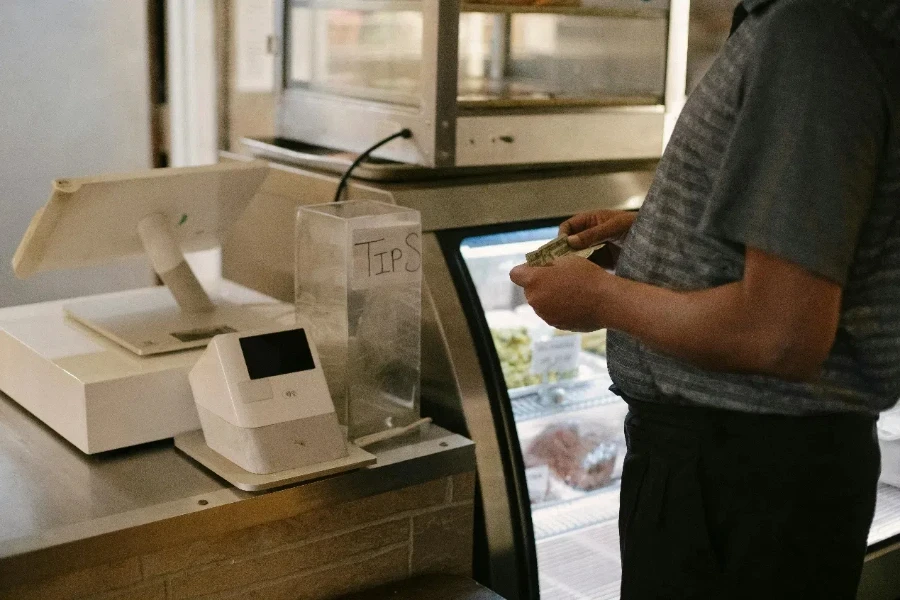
277	353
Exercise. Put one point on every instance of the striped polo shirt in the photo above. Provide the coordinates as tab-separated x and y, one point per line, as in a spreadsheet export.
790	144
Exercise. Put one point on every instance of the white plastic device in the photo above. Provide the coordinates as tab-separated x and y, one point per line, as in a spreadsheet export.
263	400
92	391
110	371
159	212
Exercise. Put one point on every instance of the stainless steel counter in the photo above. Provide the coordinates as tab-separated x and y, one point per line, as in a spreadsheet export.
57	503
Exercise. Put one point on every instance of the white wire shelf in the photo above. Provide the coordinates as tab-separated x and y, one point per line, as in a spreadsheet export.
582	396
555	519
581	565
886	523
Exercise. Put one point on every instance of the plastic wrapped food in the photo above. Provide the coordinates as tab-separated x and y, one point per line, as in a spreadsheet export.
514	348
594	342
580	453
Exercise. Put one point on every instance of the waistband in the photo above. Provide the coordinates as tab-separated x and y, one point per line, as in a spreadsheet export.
700	419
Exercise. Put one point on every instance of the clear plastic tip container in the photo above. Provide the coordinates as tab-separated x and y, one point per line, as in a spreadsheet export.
359	291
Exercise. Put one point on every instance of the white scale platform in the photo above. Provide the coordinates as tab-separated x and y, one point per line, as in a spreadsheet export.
194	445
153	323
97	394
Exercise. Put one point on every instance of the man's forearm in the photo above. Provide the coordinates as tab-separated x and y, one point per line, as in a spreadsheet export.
716	329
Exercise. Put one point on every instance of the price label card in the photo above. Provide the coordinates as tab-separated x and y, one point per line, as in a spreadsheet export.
386	256
537	480
557	354
889	426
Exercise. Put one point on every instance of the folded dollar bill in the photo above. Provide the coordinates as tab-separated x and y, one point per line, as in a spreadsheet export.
557	248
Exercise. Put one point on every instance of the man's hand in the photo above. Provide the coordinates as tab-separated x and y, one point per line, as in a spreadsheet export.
567	294
779	320
589	228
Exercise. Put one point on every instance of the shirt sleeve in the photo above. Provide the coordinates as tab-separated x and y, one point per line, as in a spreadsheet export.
799	172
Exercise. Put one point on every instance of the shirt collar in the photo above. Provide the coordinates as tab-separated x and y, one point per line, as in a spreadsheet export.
884	16
751	5
743	9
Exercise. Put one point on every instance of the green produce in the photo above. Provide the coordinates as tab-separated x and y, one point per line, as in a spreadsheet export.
514	351
594	342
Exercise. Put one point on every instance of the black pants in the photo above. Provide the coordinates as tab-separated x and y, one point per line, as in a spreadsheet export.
726	505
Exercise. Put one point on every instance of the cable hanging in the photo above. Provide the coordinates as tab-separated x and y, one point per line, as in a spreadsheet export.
342	184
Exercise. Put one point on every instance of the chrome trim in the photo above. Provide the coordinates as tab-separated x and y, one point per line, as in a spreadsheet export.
603	134
451	132
475	406
528	196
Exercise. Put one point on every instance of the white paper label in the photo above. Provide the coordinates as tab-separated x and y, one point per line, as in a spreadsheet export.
537	480
254	23
386	256
557	354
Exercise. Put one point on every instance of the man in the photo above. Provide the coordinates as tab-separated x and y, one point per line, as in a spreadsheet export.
754	315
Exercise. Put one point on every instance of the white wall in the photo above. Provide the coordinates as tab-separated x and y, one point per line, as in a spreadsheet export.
192	84
74	101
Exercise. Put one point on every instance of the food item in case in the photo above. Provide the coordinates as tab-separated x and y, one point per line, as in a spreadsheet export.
514	350
514	347
581	453
594	342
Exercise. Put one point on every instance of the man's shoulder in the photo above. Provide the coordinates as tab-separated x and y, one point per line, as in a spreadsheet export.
799	22
833	20
823	39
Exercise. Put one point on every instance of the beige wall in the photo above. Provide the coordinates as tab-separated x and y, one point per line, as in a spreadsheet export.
249	113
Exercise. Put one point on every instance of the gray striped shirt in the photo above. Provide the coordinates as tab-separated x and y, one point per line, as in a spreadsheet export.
790	144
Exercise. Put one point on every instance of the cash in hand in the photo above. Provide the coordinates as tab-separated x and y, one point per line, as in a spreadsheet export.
557	248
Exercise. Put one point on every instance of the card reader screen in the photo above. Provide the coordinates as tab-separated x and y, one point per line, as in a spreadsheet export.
277	353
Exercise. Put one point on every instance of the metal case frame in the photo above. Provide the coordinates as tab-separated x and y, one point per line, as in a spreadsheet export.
445	136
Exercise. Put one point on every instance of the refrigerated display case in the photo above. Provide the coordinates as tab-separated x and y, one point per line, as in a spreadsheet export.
568	422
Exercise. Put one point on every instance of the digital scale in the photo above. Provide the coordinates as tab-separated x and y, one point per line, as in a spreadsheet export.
94	392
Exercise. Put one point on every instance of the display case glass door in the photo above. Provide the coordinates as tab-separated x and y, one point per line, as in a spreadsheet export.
569	425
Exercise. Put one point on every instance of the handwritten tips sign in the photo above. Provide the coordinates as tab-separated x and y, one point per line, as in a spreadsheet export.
386	256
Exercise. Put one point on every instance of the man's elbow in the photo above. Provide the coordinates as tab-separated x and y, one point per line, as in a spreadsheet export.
792	356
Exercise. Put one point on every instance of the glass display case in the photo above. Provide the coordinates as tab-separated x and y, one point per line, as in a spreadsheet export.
494	83
568	423
566	431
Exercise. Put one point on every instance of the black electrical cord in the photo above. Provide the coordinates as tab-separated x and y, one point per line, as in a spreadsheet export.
342	184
